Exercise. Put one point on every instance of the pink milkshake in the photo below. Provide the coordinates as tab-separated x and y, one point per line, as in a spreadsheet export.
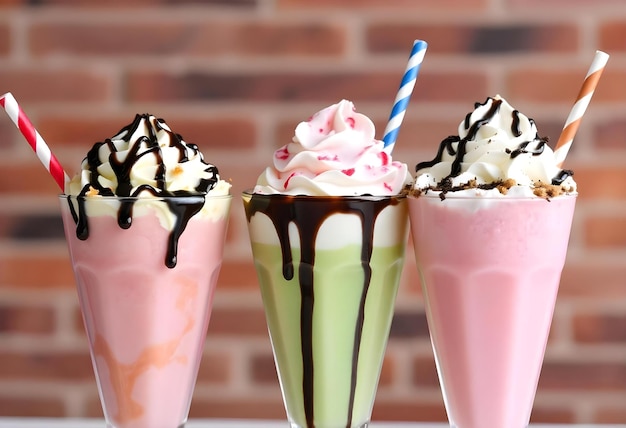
146	264
490	219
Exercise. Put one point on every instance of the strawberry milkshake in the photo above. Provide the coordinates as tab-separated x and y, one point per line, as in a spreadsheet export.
490	217
328	227
145	221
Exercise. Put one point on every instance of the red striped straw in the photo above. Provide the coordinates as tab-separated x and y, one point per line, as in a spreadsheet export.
580	106
15	112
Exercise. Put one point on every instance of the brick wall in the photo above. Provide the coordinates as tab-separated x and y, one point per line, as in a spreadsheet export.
235	76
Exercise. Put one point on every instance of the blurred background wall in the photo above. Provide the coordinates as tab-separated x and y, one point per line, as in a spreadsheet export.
235	77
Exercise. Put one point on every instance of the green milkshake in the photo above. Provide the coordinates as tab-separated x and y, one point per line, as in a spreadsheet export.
329	258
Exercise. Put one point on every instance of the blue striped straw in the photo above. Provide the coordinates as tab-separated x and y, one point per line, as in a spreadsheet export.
404	94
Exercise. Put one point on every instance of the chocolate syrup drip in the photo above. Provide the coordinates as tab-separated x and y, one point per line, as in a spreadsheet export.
562	176
446	145
472	131
182	210
515	129
308	214
523	148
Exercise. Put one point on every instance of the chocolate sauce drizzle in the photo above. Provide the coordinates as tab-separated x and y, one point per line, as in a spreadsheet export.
181	203
308	214
472	130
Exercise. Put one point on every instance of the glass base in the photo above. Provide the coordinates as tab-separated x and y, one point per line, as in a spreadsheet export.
113	426
365	425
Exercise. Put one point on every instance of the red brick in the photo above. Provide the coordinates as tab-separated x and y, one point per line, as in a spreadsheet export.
26	319
599	328
8	134
216	133
61	130
425	372
238	322
408	410
5	39
267	406
593	281
18	272
466	86
610	415
54	85
263	369
609	135
215	368
583	376
93	408
562	85
605	232
178	37
32	407
408	325
544	86
244	176
592	182
612	35
551	415
582	6
403	5
107	39
11	3
410	280
34	179
147	86
79	326
56	366
238	275
485	38
208	133
387	371
125	4
298	39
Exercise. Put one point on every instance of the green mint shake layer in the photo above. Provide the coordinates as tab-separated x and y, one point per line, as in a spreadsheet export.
329	310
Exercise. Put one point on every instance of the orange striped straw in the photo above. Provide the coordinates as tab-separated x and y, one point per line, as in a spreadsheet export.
582	102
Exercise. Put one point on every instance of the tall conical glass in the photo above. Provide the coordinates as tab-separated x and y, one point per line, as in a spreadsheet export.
145	289
490	269
329	269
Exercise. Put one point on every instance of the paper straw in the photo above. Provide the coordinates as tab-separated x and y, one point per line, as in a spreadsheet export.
404	94
15	112
582	102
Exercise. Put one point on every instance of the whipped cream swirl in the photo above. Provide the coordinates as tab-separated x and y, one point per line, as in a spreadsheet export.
146	158
496	147
334	153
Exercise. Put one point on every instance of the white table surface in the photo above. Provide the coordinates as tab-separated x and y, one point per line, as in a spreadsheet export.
222	423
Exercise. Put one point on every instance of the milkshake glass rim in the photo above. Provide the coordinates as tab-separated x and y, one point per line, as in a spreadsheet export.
249	193
479	197
151	198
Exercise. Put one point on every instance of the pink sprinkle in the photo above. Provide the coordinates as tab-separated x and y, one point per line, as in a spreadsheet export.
348	172
287	180
387	186
282	153
384	157
321	130
350	121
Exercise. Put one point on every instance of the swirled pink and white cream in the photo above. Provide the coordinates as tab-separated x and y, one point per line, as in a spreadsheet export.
334	153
